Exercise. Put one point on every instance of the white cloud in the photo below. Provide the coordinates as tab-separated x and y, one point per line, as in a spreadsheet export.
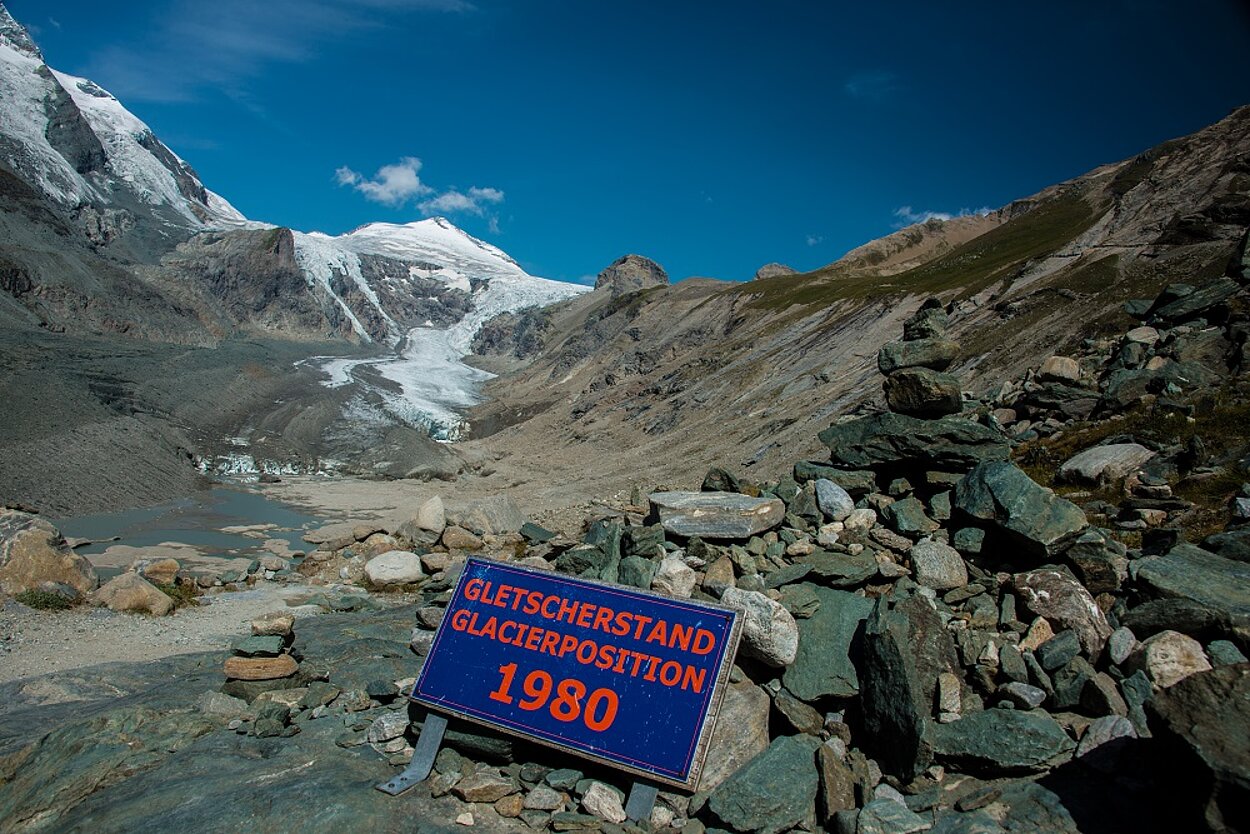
815	240
907	216
56	24
474	201
393	185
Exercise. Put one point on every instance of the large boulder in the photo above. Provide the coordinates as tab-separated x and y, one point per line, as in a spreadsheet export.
1191	573
493	514
630	274
131	592
1065	604
1203	723
33	552
395	567
922	392
741	732
1031	517
906	648
774	270
1168	658
775	791
769	632
889	439
823	665
1102	464
1197	302
716	515
996	742
937	354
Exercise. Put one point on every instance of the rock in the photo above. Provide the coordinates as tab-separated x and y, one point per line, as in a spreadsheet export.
1168	658
1191	573
822	666
431	515
839	570
131	592
716	515
544	798
458	538
1144	335
774	791
740	734
1060	369
1198	302
603	802
769	632
563	779
1103	730
1181	615
720	480
718	576
921	392
857	482
221	705
630	274
887	438
1231	544
675	578
907	517
886	816
798	715
484	785
161	572
1100	696
279	623
260	646
938	566
1023	695
395	567
511	806
637	572
1224	653
1120	645
999	742
936	354
774	270
834	501
260	668
929	322
1203	722
1029	516
1103	464
1059	651
837	784
1065	603
493	515
32	552
536	534
906	648
1101	562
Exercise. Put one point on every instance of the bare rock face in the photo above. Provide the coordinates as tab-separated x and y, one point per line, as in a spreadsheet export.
33	552
773	270
716	515
131	592
631	273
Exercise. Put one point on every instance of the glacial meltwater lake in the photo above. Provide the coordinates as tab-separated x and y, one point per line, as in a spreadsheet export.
221	522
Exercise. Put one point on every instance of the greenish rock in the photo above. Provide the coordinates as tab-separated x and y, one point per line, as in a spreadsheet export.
921	392
886	816
1059	650
940	505
642	541
1029	516
929	322
1191	573
606	534
823	665
787	575
1070	682
636	572
908	518
1198	302
1231	544
997	742
889	439
720	480
1101	562
573	821
839	570
974	822
906	648
968	540
800	600
716	515
857	482
535	534
584	560
805	506
937	354
319	694
564	779
1224	653
774	791
258	646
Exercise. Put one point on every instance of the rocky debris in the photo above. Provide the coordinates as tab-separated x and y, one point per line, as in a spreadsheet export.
131	592
630	274
1065	604
888	439
774	270
395	567
33	552
774	791
915	383
1027	515
492	515
265	658
716	515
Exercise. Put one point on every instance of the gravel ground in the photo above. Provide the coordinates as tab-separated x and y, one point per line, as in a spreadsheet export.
36	642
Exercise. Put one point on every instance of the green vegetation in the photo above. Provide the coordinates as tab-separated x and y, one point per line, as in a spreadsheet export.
43	601
994	256
182	593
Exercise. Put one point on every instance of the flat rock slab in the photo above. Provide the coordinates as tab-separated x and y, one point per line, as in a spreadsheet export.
1104	463
260	668
1191	573
951	443
716	515
1002	741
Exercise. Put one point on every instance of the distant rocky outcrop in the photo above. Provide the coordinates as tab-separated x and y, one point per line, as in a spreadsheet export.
773	270
631	273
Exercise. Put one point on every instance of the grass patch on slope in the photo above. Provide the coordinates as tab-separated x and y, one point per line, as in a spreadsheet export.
996	255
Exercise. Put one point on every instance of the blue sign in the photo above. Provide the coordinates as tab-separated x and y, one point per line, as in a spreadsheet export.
612	673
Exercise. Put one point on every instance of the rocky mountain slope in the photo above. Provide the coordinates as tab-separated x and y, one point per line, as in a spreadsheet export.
650	386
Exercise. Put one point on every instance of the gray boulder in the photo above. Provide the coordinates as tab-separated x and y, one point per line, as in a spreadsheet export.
997	742
921	392
886	438
775	791
1027	514
1191	573
769	632
493	514
741	733
834	501
1199	301
823	665
716	515
938	566
937	354
1102	464
1065	604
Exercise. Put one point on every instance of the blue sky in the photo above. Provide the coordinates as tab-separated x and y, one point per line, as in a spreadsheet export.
711	136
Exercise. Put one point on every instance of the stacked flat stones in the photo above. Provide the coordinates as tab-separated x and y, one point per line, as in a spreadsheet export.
915	380
266	655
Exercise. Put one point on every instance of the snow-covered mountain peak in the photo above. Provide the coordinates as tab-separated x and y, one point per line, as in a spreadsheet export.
15	35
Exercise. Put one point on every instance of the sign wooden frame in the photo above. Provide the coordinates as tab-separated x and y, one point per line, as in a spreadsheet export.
724	655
